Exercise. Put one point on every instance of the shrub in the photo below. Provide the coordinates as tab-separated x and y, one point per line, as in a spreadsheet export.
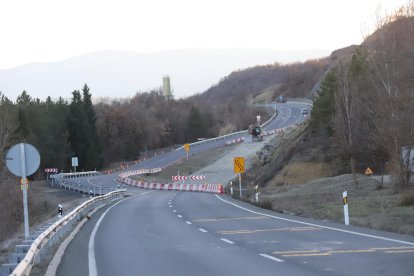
407	200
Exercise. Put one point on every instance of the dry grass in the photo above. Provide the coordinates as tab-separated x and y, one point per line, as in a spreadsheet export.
187	167
266	96
43	201
301	172
383	209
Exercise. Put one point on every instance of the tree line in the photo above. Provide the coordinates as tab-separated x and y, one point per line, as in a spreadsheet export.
367	100
112	130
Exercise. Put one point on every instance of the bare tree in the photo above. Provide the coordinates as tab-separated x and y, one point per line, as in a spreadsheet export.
347	99
390	55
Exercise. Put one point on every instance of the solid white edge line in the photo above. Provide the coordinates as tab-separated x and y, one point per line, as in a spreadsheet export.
202	230
272	258
91	246
188	222
317	225
227	241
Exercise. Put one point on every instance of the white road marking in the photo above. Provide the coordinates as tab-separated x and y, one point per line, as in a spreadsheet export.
188	222
317	225
202	230
180	216
91	246
174	211
228	241
170	206
272	258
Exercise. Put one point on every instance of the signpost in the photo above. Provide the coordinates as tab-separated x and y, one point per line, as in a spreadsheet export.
50	170
23	160
74	163
239	167
187	149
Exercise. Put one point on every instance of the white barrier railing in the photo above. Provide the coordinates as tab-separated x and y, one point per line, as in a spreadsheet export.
207	188
51	236
75	175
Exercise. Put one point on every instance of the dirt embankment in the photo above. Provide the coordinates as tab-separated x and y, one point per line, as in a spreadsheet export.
304	176
43	201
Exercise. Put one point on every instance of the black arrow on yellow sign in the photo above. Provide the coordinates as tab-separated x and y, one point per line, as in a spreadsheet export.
239	166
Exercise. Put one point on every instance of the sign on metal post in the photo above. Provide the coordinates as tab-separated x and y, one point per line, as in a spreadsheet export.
187	149
74	162
238	165
23	160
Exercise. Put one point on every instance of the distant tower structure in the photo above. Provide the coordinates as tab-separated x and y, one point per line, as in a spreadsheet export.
166	88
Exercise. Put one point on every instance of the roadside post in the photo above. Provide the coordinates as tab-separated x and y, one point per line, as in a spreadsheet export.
60	210
239	167
346	213
23	160
187	149
231	188
257	194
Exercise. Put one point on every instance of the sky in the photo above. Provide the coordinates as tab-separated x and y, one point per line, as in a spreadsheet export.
53	30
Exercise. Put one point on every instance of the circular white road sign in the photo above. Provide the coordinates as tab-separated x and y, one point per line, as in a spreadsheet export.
22	153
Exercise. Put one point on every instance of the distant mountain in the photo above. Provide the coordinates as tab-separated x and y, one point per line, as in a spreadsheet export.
117	74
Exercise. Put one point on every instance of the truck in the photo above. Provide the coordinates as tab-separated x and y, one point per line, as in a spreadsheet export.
255	130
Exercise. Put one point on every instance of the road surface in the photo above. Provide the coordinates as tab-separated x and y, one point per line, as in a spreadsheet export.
182	233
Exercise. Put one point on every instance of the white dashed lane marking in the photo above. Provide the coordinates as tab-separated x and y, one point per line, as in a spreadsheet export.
228	241
272	258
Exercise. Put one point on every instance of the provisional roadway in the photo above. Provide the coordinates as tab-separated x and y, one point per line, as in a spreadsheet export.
288	115
184	233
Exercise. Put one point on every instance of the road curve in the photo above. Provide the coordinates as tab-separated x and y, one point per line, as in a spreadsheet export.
169	233
288	115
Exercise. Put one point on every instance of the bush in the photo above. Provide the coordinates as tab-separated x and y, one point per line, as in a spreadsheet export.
265	204
407	200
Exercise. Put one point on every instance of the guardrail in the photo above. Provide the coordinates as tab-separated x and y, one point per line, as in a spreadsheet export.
41	245
87	189
66	181
75	175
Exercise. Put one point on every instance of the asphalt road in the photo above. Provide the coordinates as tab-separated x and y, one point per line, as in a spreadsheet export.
168	233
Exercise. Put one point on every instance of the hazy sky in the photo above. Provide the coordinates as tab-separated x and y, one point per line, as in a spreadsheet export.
51	30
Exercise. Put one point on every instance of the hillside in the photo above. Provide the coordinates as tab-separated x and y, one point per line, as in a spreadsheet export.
118	74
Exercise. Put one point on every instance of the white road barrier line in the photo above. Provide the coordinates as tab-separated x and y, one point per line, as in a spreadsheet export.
188	222
227	241
317	225
180	216
91	246
202	230
272	258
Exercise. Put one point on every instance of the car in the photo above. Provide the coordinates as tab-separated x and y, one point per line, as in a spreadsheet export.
305	111
281	99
